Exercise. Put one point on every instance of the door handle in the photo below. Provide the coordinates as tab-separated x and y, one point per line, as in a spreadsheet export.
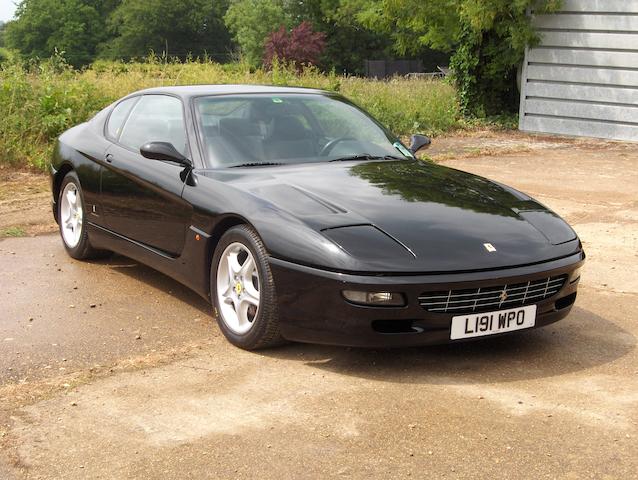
109	158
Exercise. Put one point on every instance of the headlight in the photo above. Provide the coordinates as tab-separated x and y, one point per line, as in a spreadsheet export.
379	299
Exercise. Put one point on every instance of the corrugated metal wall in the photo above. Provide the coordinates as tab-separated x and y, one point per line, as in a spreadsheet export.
583	77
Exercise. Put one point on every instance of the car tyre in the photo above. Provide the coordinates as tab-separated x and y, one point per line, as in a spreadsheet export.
72	220
243	291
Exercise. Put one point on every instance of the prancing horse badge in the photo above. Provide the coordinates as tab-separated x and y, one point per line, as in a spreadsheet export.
489	247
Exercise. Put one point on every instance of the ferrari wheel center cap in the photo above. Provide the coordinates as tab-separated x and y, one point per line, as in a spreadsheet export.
238	288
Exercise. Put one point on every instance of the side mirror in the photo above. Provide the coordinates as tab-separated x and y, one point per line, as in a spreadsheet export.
417	142
165	152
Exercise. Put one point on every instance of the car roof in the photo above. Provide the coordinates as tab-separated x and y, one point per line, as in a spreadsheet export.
201	90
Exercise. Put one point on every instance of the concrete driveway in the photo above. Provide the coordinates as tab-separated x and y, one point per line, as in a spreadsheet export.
111	370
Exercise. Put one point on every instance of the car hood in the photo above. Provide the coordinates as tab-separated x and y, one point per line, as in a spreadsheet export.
412	216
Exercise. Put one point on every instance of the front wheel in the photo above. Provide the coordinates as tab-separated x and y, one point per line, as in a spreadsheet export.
243	290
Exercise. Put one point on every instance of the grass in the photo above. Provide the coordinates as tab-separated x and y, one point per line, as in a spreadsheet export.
13	232
38	101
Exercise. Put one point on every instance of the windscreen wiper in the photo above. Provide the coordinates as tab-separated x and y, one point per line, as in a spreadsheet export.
257	164
366	156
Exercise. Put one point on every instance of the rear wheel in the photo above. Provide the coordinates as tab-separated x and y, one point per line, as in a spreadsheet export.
243	290
72	220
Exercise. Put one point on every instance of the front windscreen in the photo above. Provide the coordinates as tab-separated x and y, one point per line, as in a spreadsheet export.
260	129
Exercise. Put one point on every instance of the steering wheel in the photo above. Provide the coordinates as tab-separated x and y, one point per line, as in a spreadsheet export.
327	148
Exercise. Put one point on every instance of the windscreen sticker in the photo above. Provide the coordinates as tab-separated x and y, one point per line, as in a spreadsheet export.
277	100
399	146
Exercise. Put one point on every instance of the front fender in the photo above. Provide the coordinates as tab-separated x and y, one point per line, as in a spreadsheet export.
285	236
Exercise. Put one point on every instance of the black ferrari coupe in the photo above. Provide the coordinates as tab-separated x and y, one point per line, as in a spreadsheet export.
300	217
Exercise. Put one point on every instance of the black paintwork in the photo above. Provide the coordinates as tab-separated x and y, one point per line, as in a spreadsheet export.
405	224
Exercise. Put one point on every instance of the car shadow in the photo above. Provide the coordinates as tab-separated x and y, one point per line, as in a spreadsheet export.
581	341
157	280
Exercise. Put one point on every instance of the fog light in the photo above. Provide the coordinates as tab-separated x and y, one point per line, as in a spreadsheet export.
390	299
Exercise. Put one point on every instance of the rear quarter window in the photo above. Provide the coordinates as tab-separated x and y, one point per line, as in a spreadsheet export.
118	116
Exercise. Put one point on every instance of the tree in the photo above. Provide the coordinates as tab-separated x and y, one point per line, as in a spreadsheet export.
251	21
491	47
302	45
488	38
337	23
176	28
44	26
411	24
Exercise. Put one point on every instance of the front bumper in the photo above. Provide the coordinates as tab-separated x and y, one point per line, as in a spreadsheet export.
312	308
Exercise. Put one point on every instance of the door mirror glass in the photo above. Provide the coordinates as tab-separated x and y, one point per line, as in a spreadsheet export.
417	142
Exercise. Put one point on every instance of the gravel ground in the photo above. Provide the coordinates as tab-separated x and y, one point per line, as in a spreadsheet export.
111	370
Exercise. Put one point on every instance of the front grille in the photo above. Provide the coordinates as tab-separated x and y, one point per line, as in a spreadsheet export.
491	298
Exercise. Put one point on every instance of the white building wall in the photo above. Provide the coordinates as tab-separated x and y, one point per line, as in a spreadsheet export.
582	79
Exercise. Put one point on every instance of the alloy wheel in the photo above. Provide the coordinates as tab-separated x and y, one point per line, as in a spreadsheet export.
71	215
238	288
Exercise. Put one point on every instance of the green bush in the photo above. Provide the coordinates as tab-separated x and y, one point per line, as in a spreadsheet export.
38	101
487	40
6	55
489	50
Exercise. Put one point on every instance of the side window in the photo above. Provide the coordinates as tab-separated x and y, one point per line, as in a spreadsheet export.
155	118
118	115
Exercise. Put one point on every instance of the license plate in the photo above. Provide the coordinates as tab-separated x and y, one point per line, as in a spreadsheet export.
490	323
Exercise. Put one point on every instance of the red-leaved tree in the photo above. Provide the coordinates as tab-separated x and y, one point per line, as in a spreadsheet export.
302	45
